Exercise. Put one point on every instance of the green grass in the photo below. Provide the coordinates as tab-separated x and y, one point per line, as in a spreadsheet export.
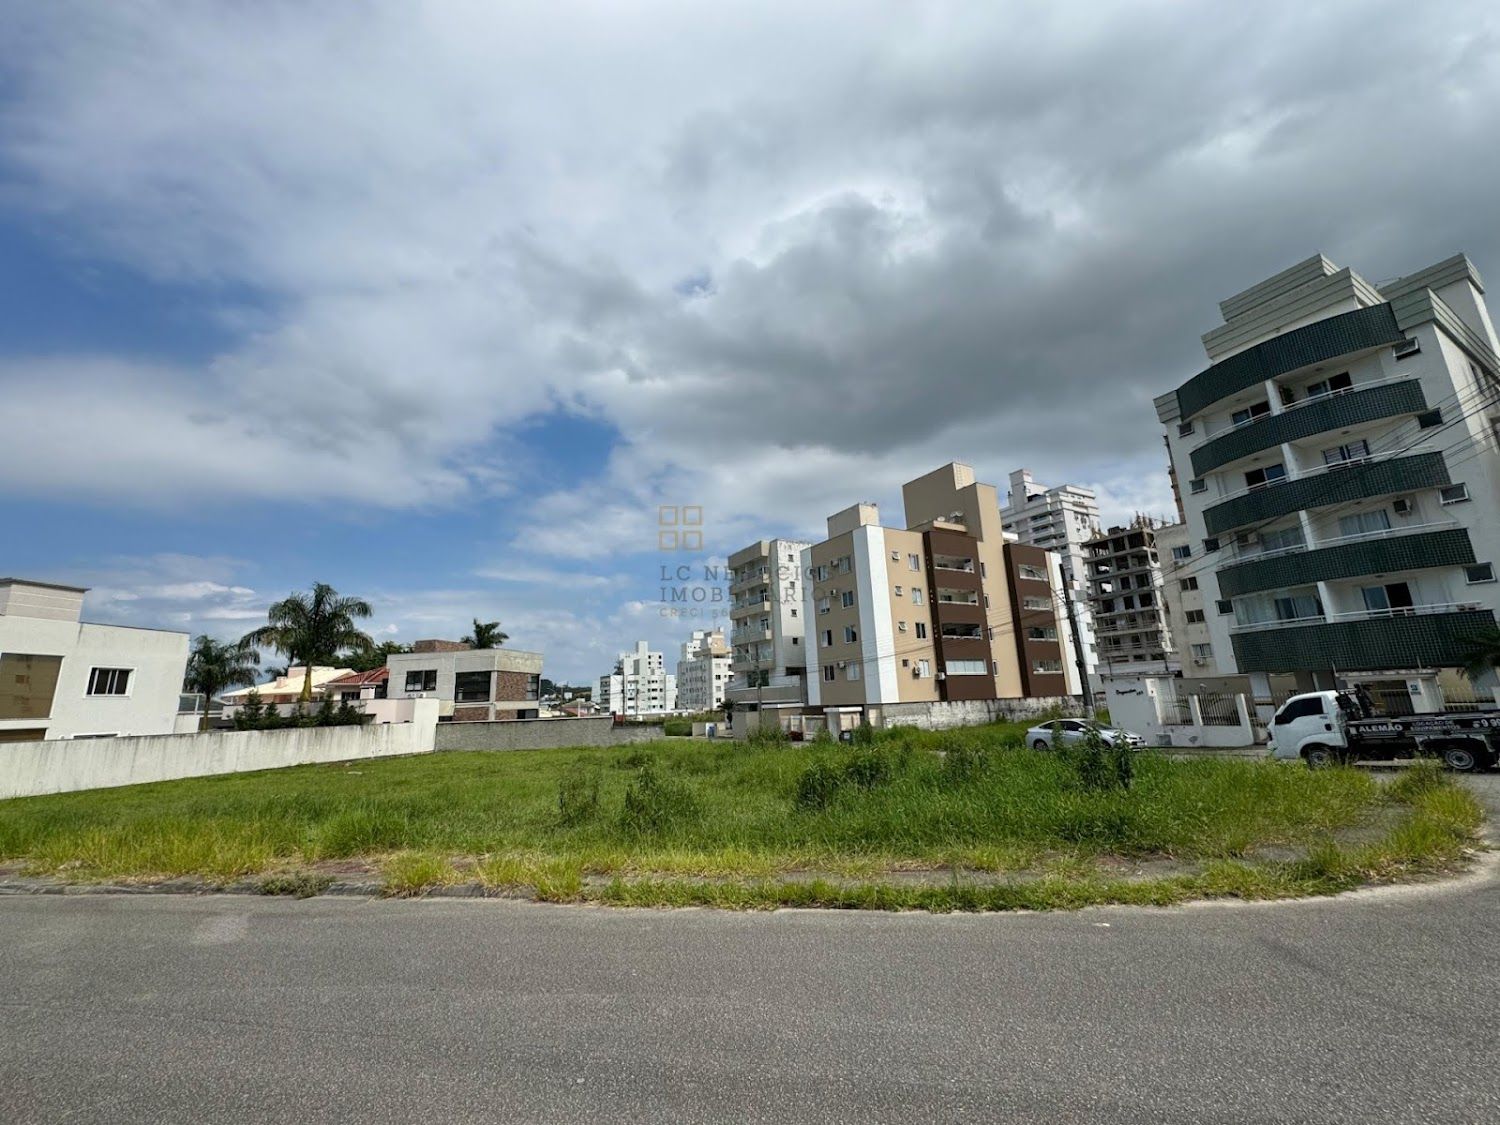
995	825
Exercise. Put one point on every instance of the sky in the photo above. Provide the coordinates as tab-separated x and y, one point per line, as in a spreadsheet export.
443	303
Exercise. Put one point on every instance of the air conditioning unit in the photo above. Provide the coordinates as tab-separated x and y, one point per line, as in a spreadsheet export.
1401	506
942	675
842	663
1406	348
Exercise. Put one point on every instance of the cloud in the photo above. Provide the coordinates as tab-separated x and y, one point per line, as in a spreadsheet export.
791	256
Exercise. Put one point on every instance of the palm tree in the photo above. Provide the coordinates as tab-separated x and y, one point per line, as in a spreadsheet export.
486	634
1482	654
313	628
370	659
214	666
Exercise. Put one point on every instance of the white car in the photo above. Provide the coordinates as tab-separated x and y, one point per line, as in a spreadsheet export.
1042	736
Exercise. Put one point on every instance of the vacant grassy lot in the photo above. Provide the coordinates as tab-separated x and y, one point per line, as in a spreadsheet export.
963	820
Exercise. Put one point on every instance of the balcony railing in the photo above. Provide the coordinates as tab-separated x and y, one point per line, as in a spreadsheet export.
1359	615
1419	547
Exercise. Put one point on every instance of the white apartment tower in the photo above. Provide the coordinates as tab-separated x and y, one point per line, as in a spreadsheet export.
1340	477
703	672
639	685
769	655
1060	519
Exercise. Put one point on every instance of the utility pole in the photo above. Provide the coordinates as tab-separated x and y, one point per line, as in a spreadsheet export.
1078	657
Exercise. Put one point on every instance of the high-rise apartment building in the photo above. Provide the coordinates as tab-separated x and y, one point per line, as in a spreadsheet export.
703	672
1339	470
1061	520
1125	591
925	613
769	653
639	685
1183	594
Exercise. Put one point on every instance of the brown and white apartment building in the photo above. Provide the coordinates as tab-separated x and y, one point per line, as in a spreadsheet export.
926	613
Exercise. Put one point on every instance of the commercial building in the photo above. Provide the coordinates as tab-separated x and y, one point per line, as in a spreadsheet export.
1125	591
703	672
639	685
1186	607
1061	520
769	648
1339	463
470	684
925	613
62	677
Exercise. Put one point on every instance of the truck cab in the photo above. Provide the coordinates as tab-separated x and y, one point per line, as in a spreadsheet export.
1310	726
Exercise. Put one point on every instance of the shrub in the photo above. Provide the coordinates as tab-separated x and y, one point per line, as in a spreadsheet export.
867	769
676	726
1096	765
653	802
819	785
963	762
636	759
578	796
763	736
1425	775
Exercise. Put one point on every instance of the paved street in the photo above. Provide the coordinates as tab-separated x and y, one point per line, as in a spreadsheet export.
232	1009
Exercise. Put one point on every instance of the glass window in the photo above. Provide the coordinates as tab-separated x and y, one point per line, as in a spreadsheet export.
27	685
1364	523
1298	709
1046	667
1203	652
1352	451
109	681
1454	494
965	667
828	672
1283	539
1479	572
421	679
1189	584
921	630
1183	552
850	635
1341	382
846	599
1195	617
914	562
1256	478
852	671
1250	413
924	668
470	687
916	595
1031	573
534	686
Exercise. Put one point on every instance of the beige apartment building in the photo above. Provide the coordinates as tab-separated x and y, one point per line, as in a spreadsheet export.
920	614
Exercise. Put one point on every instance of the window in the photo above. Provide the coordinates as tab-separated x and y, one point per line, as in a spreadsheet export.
1180	553
924	668
1184	428
1250	413
421	679
846	599
1259	478
1430	418
1342	454
852	671
850	635
825	604
1041	633
1479	572
1211	543
109	681
1203	652
964	667
534	685
921	630
982	572
1046	667
1340	382
794	611
1032	573
901	626
470	687
1036	603
914	562
27	685
1224	607
901	591
827	638
1195	617
1188	584
1299	709
916	596
828	673
1282	539
843	564
1365	523
1454	494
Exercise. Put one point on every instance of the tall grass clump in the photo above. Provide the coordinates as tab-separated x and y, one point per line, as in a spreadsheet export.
654	803
578	796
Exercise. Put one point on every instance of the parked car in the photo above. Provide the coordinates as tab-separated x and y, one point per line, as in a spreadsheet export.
1041	736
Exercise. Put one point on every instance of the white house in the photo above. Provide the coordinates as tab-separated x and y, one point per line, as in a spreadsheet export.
61	677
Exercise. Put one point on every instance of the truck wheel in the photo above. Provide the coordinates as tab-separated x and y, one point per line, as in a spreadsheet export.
1461	759
1320	757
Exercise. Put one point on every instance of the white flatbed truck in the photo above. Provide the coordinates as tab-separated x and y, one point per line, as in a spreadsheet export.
1327	727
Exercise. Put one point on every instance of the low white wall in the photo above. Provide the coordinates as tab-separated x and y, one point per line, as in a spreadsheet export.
975	712
63	766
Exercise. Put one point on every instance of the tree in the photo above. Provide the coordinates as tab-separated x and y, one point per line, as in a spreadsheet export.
486	634
215	666
370	659
1482	654
313	629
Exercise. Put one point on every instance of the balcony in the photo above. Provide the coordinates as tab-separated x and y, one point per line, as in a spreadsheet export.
1336	485
749	634
1369	402
749	609
954	563
1375	552
1424	636
754	577
1329	339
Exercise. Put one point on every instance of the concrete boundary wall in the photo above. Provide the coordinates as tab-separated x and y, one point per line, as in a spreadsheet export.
67	765
543	734
975	712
